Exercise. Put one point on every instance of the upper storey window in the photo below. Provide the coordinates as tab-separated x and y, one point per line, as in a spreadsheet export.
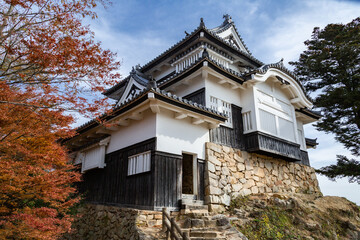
222	106
275	116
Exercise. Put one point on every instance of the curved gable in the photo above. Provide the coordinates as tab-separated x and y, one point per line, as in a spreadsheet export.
288	84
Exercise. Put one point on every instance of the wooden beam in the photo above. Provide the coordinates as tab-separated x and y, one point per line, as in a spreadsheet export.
136	116
91	135
103	131
123	122
213	125
180	115
197	121
285	86
154	108
295	100
204	74
222	81
113	128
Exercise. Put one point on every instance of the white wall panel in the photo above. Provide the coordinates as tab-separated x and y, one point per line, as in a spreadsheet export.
180	135
93	158
136	132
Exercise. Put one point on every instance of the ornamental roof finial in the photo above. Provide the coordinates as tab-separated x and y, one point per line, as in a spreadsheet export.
152	83
227	18
205	53
202	24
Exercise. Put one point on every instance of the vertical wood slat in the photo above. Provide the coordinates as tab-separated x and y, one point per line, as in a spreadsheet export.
112	185
197	96
233	137
201	179
168	180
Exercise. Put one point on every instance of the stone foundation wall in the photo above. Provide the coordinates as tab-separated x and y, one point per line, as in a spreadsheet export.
231	172
110	222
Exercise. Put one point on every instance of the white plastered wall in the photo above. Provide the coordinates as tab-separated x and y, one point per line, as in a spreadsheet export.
285	111
221	91
193	85
180	135
137	131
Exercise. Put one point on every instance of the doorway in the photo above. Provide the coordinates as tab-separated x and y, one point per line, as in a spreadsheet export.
187	174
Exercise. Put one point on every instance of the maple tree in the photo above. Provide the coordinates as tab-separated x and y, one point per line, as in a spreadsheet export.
50	64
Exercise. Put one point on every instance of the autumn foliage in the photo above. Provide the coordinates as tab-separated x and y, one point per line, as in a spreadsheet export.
50	66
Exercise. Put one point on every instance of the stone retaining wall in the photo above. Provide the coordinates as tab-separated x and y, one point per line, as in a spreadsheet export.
110	222
231	172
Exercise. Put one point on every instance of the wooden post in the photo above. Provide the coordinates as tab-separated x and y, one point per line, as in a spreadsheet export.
172	231
163	219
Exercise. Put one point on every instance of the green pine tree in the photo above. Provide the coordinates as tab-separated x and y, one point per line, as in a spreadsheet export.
330	67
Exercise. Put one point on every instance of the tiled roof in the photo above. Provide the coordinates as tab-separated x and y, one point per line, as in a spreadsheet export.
157	91
279	65
225	26
137	76
201	59
213	34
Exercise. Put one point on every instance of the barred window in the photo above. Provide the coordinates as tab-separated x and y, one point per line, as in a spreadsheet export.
139	163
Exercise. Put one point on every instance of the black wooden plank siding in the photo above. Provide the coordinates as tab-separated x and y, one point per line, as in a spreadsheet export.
273	146
167	180
197	96
304	158
201	179
232	137
111	185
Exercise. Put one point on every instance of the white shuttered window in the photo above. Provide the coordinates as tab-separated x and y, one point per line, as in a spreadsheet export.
222	106
139	163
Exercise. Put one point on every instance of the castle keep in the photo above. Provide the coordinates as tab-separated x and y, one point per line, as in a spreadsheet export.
205	120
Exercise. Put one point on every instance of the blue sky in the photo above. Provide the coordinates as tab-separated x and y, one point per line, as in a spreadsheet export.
138	31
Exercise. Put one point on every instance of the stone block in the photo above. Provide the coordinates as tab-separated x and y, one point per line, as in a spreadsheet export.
214	147
258	171
238	175
241	167
248	174
232	180
214	190
243	180
225	171
213	176
216	208
248	165
233	169
214	160
268	166
237	187
238	158
213	182
245	192
210	167
225	199
226	149
256	178
254	190
249	183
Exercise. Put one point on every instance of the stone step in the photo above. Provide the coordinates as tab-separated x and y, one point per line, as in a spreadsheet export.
206	238
194	206
185	201
188	196
205	234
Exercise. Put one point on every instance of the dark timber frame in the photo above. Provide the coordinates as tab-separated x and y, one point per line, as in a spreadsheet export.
153	190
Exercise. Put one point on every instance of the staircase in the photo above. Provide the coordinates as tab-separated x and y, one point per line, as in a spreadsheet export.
195	219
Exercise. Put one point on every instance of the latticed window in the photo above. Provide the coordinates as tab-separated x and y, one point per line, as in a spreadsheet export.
222	106
139	163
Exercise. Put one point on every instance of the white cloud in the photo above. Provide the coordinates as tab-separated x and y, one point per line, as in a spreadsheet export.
284	37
